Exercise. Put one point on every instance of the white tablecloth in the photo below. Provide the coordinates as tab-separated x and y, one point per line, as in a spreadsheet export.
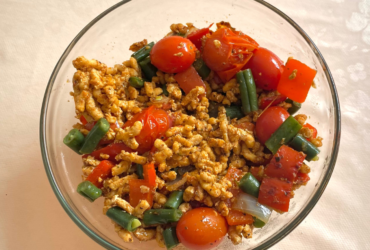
33	35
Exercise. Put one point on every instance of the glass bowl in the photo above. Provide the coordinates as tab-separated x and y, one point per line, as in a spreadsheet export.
107	39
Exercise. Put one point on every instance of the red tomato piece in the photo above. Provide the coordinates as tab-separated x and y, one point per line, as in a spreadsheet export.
196	36
302	179
173	54
226	52
201	228
285	164
234	175
236	217
313	129
136	195
269	121
189	79
257	173
275	194
296	85
83	120
112	150
149	174
266	68
272	101
102	172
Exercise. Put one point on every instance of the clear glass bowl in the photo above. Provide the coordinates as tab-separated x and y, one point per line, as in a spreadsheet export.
107	39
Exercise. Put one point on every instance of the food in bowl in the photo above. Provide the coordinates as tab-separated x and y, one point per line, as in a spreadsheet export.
193	138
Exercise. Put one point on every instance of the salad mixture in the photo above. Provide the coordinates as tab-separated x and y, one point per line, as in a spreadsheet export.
193	138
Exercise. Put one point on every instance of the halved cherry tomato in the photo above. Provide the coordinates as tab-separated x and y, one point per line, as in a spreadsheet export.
275	194
100	172
296	85
196	36
266	68
149	174
269	122
136	193
189	79
173	54
234	175
313	129
271	100
227	51
201	228
238	218
112	150
285	164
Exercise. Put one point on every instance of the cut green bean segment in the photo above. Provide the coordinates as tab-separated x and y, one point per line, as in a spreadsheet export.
258	223
170	238
124	219
89	191
249	184
74	140
300	143
234	112
94	136
295	106
143	53
148	69
251	86
201	68
161	216
140	171
174	200
243	92
136	82
284	134
164	89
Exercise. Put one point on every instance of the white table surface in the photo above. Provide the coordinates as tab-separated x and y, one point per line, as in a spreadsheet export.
33	35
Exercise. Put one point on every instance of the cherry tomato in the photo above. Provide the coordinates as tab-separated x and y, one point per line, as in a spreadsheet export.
269	122
226	52
173	54
189	79
266	68
196	36
201	228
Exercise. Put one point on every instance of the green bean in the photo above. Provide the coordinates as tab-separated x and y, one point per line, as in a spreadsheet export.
94	136
300	143
246	107
124	219
74	140
164	89
257	223
144	52
251	86
284	134
136	82
201	68
89	191
170	238
148	69
180	34
140	171
295	106
161	216
174	200
234	112
213	109
249	184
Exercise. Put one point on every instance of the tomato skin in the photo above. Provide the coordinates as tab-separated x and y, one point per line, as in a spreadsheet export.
201	228
189	79
234	175
266	68
272	101
136	195
269	122
313	129
102	171
285	164
196	36
226	52
173	54
245	125
236	217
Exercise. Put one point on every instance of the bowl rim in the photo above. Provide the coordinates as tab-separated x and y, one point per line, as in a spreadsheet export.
266	244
